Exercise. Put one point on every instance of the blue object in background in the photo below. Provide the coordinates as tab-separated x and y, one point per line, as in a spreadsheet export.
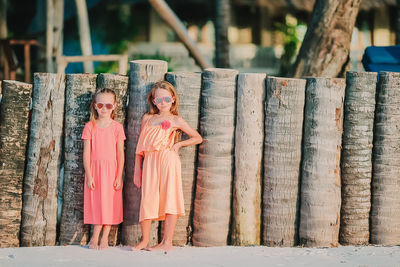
382	58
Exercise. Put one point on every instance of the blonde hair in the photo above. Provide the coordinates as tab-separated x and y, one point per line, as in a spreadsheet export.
93	112
174	108
166	86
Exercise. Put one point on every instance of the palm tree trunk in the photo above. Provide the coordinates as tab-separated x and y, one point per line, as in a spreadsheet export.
320	186
78	96
212	206
356	165
385	216
222	22
39	213
143	74
249	136
14	111
326	45
119	83
188	86
282	160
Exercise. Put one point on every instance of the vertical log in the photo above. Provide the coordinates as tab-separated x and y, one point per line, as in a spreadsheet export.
249	136
320	186
282	160
143	74
14	111
188	86
212	206
385	216
118	83
79	91
39	212
356	163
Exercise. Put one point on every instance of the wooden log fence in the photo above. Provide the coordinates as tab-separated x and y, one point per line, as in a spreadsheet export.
212	205
282	158
14	112
320	185
79	91
385	216
271	169
39	212
249	136
356	163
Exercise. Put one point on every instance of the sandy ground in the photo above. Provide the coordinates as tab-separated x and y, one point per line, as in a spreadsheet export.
194	256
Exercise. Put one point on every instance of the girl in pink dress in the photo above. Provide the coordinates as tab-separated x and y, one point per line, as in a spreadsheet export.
103	160
160	175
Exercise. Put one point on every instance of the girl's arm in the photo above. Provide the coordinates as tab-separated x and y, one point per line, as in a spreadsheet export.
137	177
86	164
194	139
120	164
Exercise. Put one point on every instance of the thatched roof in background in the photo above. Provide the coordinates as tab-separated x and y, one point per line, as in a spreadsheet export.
307	5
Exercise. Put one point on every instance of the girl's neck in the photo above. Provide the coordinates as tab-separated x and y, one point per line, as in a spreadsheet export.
165	113
103	120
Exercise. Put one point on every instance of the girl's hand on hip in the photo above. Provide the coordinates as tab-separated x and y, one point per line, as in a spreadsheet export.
118	183
176	147
90	183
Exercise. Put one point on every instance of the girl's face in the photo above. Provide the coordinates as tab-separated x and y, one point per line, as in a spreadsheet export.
104	105
163	100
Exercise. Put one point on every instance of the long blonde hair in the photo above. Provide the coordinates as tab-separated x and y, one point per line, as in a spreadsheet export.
166	86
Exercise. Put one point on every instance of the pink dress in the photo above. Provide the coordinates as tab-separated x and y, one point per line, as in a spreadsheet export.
161	176
103	205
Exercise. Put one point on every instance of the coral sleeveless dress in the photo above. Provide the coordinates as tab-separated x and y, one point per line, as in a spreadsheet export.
161	176
103	205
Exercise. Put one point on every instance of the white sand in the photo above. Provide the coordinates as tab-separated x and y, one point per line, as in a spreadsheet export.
194	256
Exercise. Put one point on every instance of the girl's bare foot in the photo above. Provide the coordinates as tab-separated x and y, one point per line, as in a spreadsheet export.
103	244
93	244
162	246
140	246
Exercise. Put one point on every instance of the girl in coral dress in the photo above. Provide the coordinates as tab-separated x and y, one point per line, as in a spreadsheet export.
103	159
160	175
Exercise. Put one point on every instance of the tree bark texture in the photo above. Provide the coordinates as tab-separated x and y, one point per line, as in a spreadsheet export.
118	83
249	136
212	206
39	211
326	45
187	85
222	22
320	186
14	112
143	74
385	216
356	162
79	91
282	160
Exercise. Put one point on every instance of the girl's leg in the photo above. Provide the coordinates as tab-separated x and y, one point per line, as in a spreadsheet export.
104	237
145	225
169	228
94	241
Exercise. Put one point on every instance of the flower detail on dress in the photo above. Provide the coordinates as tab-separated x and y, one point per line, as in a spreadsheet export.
165	125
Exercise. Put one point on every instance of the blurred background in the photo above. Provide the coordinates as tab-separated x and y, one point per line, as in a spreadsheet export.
262	35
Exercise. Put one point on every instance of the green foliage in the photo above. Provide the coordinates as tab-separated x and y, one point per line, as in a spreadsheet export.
291	44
